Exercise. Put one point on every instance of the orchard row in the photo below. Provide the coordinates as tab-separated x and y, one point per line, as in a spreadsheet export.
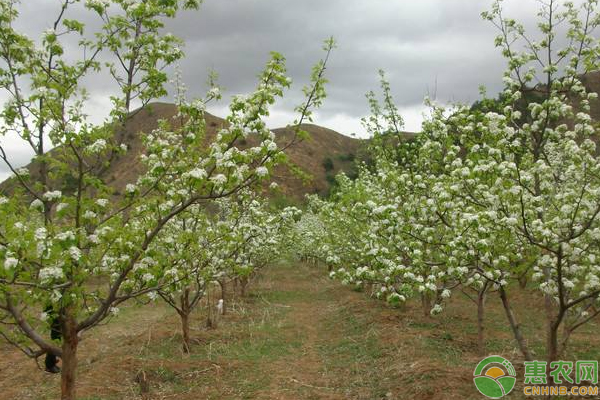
486	195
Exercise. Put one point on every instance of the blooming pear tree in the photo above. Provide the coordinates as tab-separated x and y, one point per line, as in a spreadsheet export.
232	239
307	236
63	227
504	190
546	158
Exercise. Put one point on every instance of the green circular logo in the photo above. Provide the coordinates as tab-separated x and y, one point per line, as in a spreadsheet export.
494	377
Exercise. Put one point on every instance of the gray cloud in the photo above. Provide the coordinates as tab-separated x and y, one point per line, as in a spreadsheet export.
431	47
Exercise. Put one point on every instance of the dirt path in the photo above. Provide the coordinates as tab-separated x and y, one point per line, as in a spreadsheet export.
331	351
311	305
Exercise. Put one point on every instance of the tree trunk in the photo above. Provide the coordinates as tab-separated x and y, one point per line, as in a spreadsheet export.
515	326
523	281
185	331
244	283
551	323
480	322
185	319
426	304
209	315
566	334
551	331
69	356
552	344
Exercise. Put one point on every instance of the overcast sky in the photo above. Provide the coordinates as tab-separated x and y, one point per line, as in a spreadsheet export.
438	47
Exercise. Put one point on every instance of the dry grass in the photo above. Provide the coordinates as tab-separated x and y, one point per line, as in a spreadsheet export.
297	335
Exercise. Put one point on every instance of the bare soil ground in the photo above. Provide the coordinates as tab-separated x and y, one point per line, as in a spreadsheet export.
296	335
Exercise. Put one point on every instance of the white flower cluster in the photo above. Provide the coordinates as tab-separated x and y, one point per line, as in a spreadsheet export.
52	196
197	173
10	263
51	273
262	171
98	146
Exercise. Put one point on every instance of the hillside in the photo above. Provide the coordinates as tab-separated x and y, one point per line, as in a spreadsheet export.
320	157
310	155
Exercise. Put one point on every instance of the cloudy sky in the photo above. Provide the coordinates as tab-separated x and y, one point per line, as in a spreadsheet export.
439	48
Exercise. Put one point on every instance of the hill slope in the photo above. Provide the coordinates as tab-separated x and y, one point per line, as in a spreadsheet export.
323	155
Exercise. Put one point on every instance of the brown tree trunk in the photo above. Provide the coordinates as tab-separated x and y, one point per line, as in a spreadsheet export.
69	356
185	331
480	322
523	281
551	323
185	319
426	304
551	331
209	316
243	283
566	334
552	344
515	326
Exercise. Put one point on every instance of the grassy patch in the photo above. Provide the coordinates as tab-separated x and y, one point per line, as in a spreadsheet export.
282	296
355	353
443	349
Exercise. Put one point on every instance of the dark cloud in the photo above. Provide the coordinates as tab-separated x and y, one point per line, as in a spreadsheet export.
434	47
430	47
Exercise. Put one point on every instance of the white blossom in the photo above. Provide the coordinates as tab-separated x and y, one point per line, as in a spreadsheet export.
66	235
219	179
75	253
436	309
98	146
37	204
10	263
102	202
54	195
262	171
40	233
50	273
197	173
89	214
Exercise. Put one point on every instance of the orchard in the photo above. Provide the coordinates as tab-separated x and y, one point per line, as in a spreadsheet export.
487	201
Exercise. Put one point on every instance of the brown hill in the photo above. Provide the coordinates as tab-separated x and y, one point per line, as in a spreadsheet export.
319	158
